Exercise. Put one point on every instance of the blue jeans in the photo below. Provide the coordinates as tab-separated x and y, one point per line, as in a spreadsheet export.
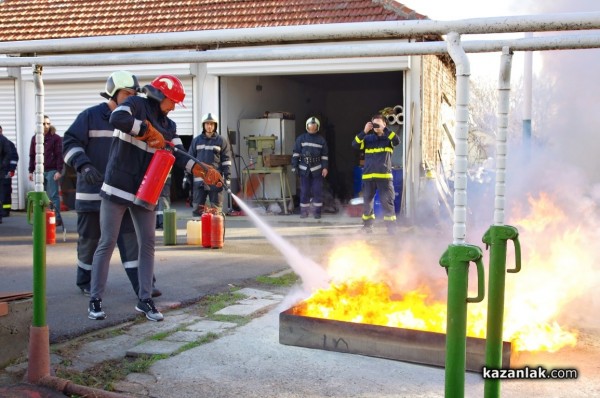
52	191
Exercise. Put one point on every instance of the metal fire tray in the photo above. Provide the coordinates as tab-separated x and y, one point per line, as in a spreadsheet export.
427	348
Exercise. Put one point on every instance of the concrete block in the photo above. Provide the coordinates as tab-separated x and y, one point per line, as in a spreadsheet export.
14	329
207	326
155	347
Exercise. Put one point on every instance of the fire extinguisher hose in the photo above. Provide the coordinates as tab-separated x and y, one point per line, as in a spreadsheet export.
204	166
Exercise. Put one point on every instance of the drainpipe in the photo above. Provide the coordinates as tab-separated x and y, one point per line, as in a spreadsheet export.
497	236
463	72
458	256
527	79
37	202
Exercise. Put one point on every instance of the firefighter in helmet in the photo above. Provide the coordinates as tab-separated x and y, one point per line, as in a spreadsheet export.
378	144
211	148
142	127
86	145
311	162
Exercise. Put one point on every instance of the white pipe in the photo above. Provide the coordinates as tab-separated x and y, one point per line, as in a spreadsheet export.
527	91
501	134
463	71
38	174
329	32
293	52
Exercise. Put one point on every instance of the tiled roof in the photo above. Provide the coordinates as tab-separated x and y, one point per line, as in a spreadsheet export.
53	19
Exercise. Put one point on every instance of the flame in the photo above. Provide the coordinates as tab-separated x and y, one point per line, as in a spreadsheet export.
361	288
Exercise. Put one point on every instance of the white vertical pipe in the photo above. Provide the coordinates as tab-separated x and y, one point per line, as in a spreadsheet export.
527	86
463	71
501	147
38	174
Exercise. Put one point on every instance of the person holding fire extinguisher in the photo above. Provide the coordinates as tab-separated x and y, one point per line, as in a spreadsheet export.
211	148
86	145
142	127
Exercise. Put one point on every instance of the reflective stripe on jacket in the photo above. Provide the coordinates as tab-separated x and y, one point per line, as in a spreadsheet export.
378	153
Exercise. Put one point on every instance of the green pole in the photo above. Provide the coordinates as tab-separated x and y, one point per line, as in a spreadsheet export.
496	238
456	260
38	202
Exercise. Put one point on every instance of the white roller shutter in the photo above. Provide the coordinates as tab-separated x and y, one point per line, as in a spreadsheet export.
8	121
64	101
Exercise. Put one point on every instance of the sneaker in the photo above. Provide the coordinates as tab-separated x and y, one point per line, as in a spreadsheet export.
303	215
156	292
317	216
367	229
95	310
85	291
147	307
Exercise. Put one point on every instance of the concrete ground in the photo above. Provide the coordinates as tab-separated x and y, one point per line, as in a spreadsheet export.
248	360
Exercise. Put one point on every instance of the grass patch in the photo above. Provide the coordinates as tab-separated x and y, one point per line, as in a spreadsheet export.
288	279
219	301
207	338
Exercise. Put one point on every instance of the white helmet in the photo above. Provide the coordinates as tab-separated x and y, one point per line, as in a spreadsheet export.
210	117
119	80
314	120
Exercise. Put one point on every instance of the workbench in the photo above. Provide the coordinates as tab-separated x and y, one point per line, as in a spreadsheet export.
286	193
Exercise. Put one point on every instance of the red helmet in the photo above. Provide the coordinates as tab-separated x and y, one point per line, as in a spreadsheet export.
171	87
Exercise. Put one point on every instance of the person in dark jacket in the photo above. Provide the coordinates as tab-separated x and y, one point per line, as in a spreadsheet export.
141	128
378	144
53	164
5	156
6	176
211	148
311	162
86	146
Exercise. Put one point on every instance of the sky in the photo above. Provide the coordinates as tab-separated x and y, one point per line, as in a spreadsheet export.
483	65
566	105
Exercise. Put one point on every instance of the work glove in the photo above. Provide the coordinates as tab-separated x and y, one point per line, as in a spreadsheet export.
186	182
91	175
294	170
152	137
208	173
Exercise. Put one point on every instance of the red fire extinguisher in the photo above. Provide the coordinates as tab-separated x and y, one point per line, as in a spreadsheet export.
217	231
50	227
154	179
206	229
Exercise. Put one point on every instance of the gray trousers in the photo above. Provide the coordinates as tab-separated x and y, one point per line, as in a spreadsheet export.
111	214
386	196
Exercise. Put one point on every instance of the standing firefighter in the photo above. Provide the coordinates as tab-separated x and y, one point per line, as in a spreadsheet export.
86	146
378	144
142	126
311	162
6	179
211	148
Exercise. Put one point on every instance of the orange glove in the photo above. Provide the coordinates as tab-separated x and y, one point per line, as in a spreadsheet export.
152	137
208	173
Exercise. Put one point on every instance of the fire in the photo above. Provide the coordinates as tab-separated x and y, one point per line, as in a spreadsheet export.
361	289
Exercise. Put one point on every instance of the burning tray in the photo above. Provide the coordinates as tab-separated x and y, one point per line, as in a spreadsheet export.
427	348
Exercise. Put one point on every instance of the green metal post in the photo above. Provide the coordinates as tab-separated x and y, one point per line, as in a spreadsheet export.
496	238
456	260
37	202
